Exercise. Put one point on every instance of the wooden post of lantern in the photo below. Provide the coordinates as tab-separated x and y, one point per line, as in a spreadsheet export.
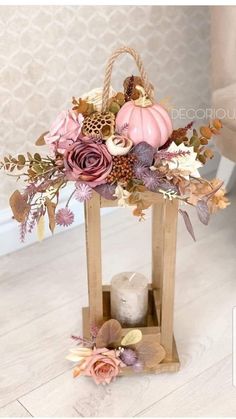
161	291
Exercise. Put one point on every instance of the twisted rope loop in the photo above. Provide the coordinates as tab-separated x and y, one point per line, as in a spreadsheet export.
108	72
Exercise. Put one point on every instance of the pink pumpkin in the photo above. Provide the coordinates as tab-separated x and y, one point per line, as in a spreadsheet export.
146	122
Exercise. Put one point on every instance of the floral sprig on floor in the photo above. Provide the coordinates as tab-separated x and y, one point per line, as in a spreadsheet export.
108	353
108	154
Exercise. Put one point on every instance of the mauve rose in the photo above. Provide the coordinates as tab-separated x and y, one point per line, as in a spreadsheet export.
88	161
64	131
102	366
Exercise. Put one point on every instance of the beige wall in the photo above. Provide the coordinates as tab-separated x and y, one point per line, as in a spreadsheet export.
50	53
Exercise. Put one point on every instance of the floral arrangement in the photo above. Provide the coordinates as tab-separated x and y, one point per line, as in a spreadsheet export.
107	354
121	153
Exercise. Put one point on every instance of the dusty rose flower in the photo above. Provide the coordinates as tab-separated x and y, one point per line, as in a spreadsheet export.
102	366
64	131
88	161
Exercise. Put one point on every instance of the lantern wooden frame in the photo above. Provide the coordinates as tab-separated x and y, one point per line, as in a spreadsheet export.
161	290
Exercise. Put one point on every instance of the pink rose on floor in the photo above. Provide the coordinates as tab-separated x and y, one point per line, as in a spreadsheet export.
88	161
102	366
64	131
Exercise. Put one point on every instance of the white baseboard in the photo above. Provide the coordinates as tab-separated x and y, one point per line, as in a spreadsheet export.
9	228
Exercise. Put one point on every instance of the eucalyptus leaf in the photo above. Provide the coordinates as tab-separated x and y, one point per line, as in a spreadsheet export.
132	337
21	159
37	157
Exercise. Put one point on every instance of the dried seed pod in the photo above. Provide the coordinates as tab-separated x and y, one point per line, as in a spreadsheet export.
204	141
118	145
120	98
195	141
214	131
217	124
83	107
206	132
208	153
99	125
202	158
114	107
130	90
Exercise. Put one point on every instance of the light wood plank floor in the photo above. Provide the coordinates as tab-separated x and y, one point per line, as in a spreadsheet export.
42	291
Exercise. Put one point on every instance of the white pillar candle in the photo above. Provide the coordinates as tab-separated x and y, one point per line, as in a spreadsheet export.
129	298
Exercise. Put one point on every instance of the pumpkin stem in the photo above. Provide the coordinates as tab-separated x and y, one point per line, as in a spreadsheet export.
143	100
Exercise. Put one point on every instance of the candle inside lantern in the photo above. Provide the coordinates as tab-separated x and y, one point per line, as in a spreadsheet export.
129	299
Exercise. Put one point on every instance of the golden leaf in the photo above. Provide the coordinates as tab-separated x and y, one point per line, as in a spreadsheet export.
40	141
132	337
40	228
19	206
51	207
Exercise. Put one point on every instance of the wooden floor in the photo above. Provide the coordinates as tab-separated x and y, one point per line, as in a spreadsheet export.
43	289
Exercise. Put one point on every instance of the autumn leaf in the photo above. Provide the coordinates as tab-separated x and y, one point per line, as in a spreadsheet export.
203	211
51	207
19	206
110	333
187	223
150	352
40	141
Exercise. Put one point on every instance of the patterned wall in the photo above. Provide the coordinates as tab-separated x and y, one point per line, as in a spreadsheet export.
50	53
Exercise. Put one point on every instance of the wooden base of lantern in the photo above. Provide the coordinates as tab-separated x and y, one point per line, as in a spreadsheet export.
152	330
161	291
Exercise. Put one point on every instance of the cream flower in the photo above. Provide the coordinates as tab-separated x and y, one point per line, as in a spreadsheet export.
185	163
122	195
78	354
95	97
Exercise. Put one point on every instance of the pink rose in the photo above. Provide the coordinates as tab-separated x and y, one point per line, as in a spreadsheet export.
64	131
102	366
88	161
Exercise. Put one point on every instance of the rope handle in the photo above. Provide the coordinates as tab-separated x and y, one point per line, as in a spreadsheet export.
108	72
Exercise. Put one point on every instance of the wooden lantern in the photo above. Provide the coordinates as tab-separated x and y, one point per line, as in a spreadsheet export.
161	289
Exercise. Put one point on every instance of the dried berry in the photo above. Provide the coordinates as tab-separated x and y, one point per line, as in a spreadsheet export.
122	169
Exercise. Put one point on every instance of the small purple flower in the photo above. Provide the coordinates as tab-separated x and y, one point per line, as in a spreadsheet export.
140	170
128	356
151	180
64	217
138	366
83	192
